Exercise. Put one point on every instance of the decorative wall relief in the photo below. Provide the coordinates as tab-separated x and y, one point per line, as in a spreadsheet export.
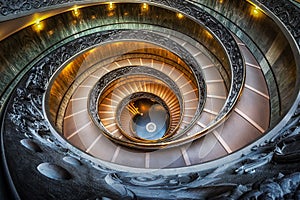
273	162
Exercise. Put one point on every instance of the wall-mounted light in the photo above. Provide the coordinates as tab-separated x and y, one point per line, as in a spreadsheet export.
179	15
92	50
255	11
38	26
145	7
111	6
111	9
76	11
208	34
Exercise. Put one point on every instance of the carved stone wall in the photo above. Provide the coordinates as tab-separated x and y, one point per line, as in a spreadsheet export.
268	169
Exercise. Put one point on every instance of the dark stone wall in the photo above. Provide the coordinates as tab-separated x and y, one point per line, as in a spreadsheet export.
269	45
18	52
260	32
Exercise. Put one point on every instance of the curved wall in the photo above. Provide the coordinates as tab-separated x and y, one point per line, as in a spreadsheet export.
268	43
265	39
33	43
272	46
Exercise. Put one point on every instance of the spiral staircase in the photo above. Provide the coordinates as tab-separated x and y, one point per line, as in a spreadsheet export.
158	99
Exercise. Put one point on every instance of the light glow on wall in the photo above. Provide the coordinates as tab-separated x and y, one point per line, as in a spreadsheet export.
38	26
111	6
179	15
145	7
76	11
